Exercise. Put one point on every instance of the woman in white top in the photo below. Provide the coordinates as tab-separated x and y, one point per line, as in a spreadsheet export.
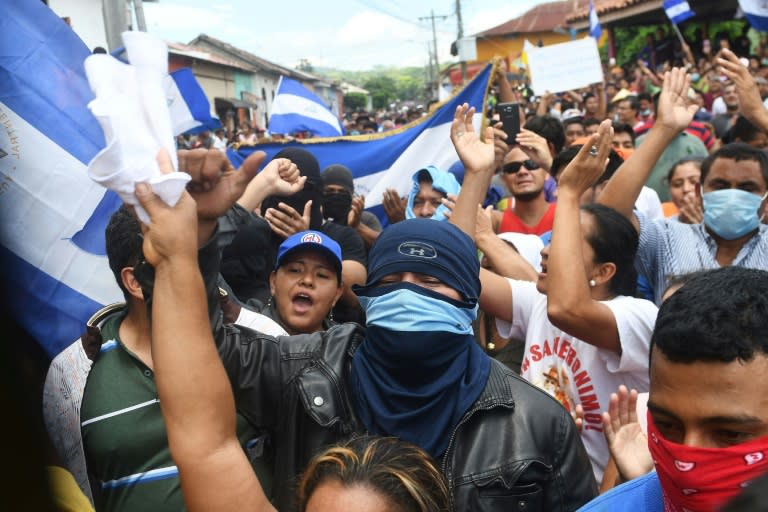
585	332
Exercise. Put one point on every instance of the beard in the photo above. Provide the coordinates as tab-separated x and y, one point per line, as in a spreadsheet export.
528	196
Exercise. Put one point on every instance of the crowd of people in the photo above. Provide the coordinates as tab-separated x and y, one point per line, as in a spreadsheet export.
579	324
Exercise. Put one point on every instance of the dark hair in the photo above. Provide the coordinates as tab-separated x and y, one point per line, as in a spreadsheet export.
683	161
619	127
573	120
742	131
719	316
591	121
679	280
549	128
401	472
634	104
737	151
614	240
565	156
588	96
124	241
644	96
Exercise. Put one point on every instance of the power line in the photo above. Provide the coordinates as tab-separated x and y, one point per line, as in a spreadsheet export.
376	7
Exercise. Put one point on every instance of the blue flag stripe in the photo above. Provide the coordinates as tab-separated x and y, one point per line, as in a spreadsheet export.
52	312
44	81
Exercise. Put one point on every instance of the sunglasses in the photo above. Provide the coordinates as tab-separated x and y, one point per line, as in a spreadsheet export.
513	167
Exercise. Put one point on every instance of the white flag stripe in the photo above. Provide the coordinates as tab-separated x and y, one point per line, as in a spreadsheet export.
292	104
55	196
433	145
678	9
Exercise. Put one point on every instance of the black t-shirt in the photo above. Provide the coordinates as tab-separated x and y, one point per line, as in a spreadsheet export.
352	248
350	241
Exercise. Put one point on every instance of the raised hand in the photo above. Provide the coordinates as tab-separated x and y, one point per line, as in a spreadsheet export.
692	210
589	164
215	184
750	102
393	206
626	440
477	156
484	223
675	110
285	221
355	212
282	177
500	146
172	232
536	147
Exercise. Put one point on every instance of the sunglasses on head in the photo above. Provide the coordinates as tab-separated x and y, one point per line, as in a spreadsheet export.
513	167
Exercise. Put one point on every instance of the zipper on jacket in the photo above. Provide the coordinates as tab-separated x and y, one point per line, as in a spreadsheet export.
485	407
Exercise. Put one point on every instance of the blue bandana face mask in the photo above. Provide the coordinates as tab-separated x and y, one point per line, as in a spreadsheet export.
731	213
411	308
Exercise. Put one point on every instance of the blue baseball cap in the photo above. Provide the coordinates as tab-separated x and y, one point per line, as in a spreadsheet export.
313	240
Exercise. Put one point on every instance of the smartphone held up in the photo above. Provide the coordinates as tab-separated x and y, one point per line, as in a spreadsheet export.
509	113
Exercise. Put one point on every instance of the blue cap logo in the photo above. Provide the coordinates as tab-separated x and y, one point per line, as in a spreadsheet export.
312	238
417	250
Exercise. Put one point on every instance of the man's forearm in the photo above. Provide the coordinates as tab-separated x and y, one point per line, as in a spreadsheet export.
196	397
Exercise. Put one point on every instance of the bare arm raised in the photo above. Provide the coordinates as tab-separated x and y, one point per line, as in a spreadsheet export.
674	113
195	395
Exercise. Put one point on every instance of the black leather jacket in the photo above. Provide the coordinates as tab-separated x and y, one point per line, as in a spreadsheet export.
515	449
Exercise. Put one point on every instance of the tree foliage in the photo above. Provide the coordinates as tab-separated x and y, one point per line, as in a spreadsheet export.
355	101
386	84
630	40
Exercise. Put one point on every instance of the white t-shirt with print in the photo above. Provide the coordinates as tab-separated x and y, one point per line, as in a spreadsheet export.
572	370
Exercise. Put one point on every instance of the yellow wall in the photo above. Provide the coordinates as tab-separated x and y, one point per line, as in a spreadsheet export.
511	45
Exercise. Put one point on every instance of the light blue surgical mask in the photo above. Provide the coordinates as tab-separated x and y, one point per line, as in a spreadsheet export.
695	77
731	213
410	308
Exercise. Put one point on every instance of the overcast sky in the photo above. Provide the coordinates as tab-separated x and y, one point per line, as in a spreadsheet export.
345	34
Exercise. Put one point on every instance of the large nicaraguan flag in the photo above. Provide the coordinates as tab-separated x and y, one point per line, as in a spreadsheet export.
53	264
51	283
296	109
678	11
756	12
388	160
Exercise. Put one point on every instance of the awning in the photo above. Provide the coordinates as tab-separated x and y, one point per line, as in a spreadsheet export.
222	103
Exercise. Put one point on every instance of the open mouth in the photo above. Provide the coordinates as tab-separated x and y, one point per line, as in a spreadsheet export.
302	302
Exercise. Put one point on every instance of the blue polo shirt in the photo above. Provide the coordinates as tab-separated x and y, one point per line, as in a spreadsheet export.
642	494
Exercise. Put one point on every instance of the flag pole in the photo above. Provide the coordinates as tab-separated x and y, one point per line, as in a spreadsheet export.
679	34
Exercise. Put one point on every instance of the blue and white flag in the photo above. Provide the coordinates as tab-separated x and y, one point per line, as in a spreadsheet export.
296	109
54	271
53	264
678	11
756	12
189	106
389	159
594	24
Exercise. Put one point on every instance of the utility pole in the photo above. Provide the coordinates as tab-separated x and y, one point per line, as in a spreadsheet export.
434	43
141	22
115	22
461	34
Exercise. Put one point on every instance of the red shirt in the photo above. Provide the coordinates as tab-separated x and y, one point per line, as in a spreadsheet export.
511	222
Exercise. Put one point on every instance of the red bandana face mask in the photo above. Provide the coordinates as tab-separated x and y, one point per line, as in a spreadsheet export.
703	479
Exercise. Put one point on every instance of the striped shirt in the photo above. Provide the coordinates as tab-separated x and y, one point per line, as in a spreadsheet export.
124	437
670	248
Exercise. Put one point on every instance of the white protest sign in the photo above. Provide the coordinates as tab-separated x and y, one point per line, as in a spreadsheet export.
565	66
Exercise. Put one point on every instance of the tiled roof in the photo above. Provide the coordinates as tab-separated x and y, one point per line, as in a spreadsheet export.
201	54
252	59
542	18
603	7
